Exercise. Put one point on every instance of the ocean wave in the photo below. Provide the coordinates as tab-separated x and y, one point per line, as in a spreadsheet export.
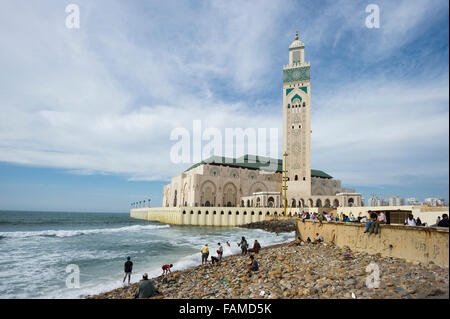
77	232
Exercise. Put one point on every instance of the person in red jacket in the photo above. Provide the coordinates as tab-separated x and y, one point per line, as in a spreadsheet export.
166	269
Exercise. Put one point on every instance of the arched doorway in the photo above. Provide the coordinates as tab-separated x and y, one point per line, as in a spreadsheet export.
293	203
327	203
270	202
230	194
336	203
318	203
351	202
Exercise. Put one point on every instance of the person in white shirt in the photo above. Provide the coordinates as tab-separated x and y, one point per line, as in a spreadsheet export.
318	239
410	221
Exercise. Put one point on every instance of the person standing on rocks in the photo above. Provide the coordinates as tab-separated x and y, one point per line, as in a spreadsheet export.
219	252
244	245
128	268
205	254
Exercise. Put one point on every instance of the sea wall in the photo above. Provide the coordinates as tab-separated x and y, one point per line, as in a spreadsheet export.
207	216
423	244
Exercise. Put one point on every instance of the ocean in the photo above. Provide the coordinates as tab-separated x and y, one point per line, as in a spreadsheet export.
37	247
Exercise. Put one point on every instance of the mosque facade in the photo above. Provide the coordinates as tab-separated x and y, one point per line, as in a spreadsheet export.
247	182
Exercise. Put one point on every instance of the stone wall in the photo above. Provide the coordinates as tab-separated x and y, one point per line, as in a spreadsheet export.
208	216
412	243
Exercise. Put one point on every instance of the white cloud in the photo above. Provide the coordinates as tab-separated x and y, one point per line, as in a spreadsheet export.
104	98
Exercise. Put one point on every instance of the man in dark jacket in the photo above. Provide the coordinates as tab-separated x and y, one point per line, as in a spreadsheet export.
146	288
444	221
128	268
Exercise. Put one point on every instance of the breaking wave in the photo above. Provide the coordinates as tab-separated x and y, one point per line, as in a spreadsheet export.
78	232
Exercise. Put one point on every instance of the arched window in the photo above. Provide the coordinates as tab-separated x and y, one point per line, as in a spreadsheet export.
296	177
350	202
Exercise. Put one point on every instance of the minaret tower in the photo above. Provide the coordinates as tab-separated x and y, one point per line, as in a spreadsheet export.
297	122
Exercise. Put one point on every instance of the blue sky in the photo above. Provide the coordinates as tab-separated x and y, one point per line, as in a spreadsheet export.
86	114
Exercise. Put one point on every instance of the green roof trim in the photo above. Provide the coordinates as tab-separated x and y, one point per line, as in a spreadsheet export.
253	162
319	173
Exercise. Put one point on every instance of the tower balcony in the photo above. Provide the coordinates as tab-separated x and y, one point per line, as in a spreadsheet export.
296	65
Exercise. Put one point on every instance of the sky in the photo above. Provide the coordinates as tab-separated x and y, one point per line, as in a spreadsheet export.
86	114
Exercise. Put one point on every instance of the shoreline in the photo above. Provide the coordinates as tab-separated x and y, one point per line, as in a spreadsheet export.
184	263
289	271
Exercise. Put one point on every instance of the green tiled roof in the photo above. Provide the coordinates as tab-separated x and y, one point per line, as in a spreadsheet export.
253	162
319	173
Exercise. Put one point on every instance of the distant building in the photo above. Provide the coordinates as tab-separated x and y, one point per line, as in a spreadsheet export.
413	201
435	201
375	201
396	201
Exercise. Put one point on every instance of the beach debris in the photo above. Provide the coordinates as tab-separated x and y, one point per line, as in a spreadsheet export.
306	272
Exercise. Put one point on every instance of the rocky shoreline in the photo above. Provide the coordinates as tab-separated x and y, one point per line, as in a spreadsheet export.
275	226
307	271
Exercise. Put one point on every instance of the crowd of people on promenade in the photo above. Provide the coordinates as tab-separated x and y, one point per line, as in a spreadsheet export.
146	287
372	221
329	217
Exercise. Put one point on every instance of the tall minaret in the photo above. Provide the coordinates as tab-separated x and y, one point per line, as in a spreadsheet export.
297	122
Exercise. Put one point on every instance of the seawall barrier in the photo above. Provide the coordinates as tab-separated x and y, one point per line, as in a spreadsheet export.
422	244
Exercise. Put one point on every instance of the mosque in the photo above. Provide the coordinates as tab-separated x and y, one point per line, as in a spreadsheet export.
245	181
